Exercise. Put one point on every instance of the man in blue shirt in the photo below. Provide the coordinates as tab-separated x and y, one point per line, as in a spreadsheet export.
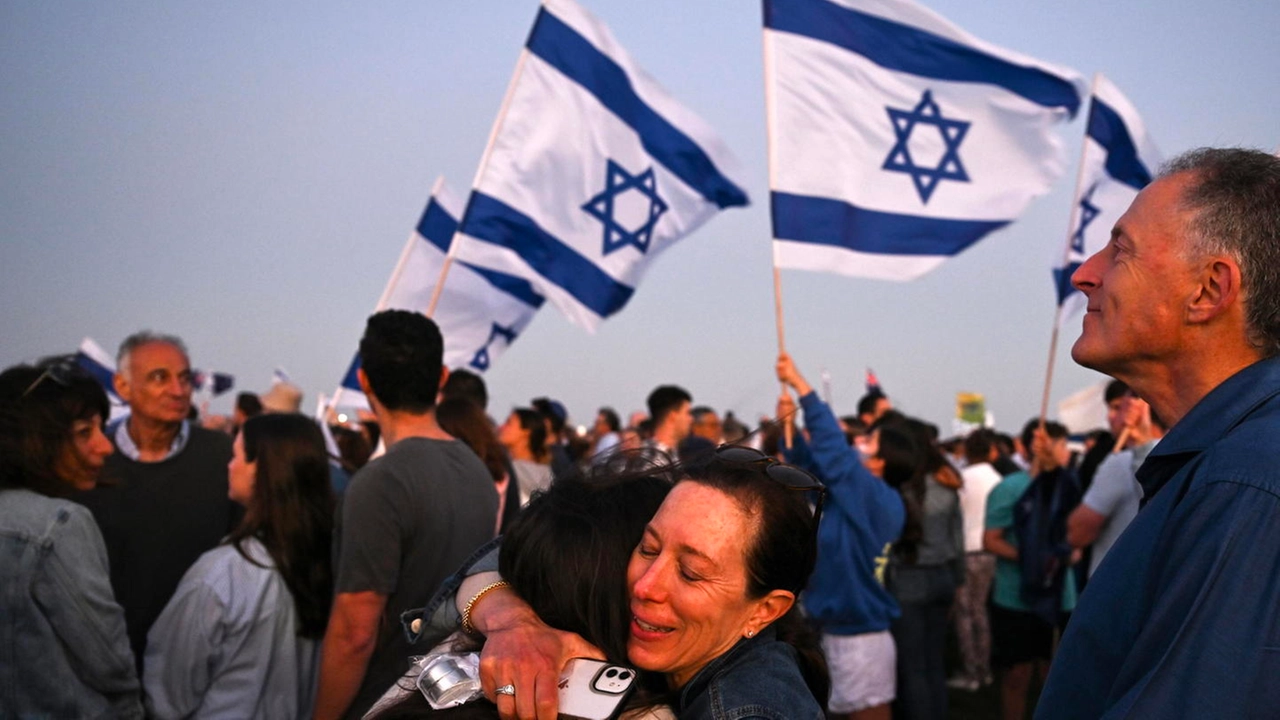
1183	619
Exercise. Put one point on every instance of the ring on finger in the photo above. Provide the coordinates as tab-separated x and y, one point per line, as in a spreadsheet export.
507	689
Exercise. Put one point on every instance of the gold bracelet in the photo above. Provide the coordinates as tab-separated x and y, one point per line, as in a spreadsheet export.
467	627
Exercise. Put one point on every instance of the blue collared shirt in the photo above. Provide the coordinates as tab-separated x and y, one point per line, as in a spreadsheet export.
1182	618
127	447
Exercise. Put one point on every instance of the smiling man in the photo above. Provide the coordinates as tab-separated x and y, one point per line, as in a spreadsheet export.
163	496
1183	619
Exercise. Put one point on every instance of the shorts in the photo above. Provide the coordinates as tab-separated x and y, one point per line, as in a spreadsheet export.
863	670
1018	637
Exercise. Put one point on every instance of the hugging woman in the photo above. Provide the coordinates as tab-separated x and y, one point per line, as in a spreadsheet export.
711	586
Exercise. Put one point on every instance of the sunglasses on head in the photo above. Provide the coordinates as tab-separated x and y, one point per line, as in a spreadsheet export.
59	372
789	476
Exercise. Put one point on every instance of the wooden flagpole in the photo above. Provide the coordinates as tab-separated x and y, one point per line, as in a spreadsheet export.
484	163
1072	219
788	425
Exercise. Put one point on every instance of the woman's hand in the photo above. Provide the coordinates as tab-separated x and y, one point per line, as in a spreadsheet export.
522	651
789	375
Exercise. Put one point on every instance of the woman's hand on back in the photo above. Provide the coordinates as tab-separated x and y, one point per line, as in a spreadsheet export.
522	651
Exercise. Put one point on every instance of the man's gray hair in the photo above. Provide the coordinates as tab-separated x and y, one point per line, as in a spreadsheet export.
146	337
1235	194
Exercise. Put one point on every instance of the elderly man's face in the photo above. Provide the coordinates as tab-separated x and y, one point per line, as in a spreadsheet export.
156	383
1139	285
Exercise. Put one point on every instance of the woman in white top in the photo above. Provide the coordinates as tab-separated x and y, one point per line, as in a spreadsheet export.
241	636
524	435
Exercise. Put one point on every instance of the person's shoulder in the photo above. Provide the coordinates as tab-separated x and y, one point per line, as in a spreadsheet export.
226	567
212	439
1011	486
1248	454
31	513
763	679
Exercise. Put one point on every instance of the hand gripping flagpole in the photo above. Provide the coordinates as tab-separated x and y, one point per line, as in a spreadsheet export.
788	425
484	163
1072	219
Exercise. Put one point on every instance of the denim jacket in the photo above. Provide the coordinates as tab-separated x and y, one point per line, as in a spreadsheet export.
63	648
758	678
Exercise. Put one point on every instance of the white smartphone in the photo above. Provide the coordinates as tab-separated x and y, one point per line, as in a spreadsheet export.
593	689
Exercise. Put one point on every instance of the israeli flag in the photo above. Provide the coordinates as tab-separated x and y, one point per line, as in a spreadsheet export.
592	171
213	383
99	364
1117	161
480	311
897	139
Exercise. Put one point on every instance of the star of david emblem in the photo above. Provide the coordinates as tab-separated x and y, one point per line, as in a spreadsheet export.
950	131
480	360
628	207
1088	211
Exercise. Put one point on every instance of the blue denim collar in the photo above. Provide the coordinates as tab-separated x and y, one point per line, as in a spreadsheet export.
1217	413
703	678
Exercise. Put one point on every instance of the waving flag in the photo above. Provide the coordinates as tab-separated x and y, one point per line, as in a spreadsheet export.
480	311
593	170
98	362
1117	161
214	383
897	139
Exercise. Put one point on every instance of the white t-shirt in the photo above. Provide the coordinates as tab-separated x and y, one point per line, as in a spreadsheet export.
978	481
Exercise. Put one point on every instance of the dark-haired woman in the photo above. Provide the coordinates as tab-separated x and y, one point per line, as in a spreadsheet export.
524	435
465	420
566	555
926	565
63	647
240	638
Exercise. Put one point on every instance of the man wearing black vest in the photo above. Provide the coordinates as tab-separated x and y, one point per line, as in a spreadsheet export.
163	499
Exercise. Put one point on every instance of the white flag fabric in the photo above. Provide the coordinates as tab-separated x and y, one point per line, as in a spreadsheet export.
480	311
897	139
593	171
1118	160
98	362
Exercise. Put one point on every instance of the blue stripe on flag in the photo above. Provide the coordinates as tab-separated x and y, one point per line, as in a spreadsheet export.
516	287
437	225
105	376
1108	129
350	381
570	53
825	221
493	221
1062	279
904	48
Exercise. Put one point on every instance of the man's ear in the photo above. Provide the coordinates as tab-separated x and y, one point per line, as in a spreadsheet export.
121	385
1217	291
444	378
364	382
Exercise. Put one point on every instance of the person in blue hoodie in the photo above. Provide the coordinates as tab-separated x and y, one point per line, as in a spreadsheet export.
846	595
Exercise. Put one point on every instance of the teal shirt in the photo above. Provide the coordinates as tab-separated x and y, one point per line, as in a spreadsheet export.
1006	591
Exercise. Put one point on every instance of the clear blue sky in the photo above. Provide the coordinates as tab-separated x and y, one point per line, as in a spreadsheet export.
244	174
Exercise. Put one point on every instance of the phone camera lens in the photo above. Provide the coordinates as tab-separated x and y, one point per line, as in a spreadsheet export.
624	675
611	673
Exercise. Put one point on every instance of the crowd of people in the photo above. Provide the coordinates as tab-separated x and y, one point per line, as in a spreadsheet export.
269	565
